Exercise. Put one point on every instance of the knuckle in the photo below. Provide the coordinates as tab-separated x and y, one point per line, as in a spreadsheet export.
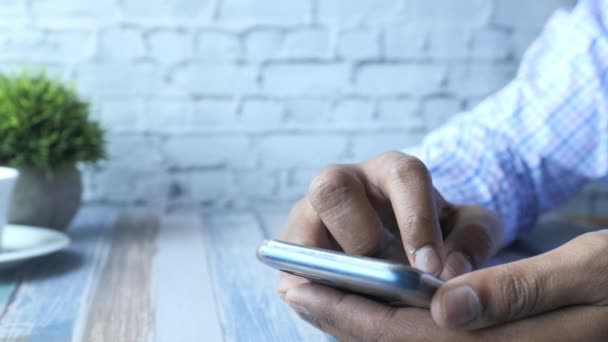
332	185
414	222
594	242
519	295
589	250
392	155
482	244
408	167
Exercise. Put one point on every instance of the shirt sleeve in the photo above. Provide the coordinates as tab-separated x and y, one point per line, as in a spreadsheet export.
532	145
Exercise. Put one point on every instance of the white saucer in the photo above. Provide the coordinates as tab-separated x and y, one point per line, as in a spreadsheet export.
20	243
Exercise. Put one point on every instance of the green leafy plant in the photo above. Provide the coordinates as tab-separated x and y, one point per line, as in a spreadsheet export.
45	125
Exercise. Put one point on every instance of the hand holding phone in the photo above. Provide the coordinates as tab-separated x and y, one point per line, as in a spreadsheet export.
393	283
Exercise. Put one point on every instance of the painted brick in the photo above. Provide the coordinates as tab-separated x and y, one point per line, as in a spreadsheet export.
356	12
479	79
353	111
492	44
208	151
470	102
296	183
119	79
86	173
305	78
511	13
50	46
133	151
237	103
262	112
522	40
263	44
404	112
212	112
308	110
61	72
170	46
438	111
213	78
307	44
294	150
43	9
218	46
13	7
452	43
168	115
130	186
405	42
447	13
400	78
119	115
256	184
203	186
276	12
13	13
358	44
121	44
162	8
367	146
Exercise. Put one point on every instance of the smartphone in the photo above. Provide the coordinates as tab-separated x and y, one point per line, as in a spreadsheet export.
389	282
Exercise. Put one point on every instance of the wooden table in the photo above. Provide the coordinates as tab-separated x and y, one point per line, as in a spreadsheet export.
181	277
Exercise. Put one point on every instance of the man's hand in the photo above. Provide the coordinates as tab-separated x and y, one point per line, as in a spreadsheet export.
387	207
573	274
562	294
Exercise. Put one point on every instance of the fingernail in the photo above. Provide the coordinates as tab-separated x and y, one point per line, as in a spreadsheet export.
427	260
456	264
460	306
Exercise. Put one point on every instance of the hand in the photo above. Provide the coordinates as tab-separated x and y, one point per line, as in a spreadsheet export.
561	294
387	207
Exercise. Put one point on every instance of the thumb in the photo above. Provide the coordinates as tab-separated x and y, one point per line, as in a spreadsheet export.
575	273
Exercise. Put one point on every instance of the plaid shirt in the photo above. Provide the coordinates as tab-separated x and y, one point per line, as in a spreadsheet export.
535	143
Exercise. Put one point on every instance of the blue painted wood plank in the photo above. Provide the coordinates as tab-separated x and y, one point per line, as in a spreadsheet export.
273	222
47	302
121	307
250	309
183	295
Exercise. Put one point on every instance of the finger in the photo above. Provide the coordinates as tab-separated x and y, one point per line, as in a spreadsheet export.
346	316
407	183
475	235
339	198
303	227
572	274
287	282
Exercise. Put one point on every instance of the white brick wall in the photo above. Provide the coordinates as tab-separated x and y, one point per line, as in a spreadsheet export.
237	103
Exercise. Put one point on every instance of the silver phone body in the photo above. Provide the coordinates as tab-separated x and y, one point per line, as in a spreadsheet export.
389	282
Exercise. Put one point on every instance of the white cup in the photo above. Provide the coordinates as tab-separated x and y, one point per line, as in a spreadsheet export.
8	178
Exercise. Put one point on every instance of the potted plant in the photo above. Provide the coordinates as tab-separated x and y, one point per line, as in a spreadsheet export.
45	130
